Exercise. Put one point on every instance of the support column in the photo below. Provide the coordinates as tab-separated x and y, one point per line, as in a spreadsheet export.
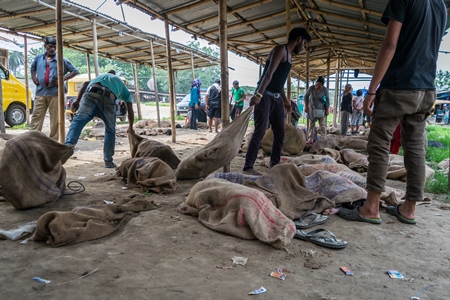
192	66
155	85
2	114
171	82
136	89
88	63
25	65
223	37
94	33
59	55
336	90
289	82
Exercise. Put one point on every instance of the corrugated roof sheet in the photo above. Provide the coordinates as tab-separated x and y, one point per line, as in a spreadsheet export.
116	39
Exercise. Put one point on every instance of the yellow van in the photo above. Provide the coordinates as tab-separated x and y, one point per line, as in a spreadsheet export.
14	98
73	87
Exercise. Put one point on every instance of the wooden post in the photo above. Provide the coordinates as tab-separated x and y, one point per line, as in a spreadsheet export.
171	83
289	82
192	65
59	55
94	33
136	91
88	63
155	85
328	68
336	91
2	114
25	62
223	37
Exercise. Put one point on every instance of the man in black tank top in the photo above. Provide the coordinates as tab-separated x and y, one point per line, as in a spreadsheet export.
270	100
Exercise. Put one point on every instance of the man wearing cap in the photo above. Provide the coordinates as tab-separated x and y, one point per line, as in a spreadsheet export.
270	100
238	95
213	104
44	74
97	98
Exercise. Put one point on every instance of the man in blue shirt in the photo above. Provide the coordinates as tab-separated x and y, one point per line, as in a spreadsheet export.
44	74
97	98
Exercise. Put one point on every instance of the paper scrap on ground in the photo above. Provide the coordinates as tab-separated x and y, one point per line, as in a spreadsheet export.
238	260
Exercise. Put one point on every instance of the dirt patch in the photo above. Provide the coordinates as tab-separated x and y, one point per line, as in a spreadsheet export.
161	254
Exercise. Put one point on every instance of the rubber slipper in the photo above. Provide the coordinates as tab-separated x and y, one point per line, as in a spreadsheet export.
353	215
110	164
310	219
321	237
393	210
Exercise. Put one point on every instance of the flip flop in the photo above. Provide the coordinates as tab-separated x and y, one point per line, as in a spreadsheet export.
393	210
310	219
321	237
353	215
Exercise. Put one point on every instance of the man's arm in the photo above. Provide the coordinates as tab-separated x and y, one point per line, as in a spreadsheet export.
306	98
130	116
76	103
384	58
327	103
286	101
207	101
277	56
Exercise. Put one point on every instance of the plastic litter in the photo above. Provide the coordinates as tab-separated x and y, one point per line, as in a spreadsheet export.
17	233
41	280
108	202
99	174
258	291
347	271
278	274
238	260
394	274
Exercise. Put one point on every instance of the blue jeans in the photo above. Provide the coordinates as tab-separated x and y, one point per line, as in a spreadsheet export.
95	105
194	114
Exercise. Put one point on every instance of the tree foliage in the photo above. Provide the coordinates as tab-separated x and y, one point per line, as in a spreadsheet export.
15	61
442	80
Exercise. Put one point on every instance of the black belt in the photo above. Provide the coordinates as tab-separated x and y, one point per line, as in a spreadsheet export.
104	91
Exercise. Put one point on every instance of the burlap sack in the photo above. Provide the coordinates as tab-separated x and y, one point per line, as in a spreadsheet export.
217	153
239	211
308	169
87	223
304	159
233	177
349	156
150	174
285	186
334	187
335	154
142	147
322	144
31	170
353	143
246	142
294	141
444	165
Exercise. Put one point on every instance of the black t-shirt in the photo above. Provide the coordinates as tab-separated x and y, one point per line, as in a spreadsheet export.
414	63
347	102
214	98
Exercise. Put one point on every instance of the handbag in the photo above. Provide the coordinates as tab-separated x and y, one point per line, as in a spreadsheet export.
319	113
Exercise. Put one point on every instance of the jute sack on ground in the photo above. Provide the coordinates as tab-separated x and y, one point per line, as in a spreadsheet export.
308	169
87	223
444	165
293	144
142	147
352	143
149	173
217	153
239	211
246	142
233	177
322	144
285	187
354	160
335	154
31	170
304	159
335	187
399	173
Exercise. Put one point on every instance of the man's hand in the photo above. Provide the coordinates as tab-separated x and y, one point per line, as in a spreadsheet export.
368	104
196	106
207	106
254	101
287	105
130	129
75	106
35	80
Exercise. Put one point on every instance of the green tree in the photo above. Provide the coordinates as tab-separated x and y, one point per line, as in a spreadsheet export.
442	80
15	61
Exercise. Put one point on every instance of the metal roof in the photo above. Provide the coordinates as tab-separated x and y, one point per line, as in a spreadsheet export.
349	29
116	39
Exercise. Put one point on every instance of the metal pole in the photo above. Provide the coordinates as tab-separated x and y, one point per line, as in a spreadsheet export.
155	86
59	54
171	82
336	91
25	61
88	63
94	33
289	82
192	65
136	89
2	114
223	41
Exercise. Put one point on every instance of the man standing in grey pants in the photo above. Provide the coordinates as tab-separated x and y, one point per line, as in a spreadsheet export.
404	74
